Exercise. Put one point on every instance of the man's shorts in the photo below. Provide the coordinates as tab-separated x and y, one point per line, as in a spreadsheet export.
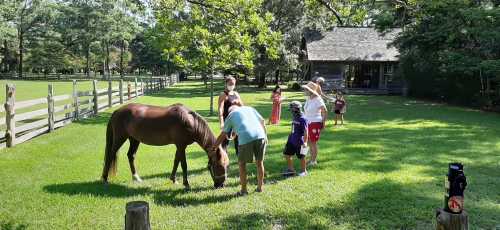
291	149
248	151
314	131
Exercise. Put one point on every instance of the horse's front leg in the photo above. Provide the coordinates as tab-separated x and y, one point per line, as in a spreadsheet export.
174	168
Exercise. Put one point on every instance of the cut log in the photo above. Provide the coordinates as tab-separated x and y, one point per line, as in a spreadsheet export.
137	216
451	221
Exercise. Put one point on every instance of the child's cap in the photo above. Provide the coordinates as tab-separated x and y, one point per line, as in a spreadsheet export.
295	105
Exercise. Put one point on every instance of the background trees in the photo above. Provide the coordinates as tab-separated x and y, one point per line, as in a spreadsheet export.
449	48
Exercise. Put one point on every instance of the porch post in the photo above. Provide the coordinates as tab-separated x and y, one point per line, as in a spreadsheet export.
381	81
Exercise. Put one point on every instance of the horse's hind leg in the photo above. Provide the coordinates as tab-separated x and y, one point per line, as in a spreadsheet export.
174	169
110	164
134	145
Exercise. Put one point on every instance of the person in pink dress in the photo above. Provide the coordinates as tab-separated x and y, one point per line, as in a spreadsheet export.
276	112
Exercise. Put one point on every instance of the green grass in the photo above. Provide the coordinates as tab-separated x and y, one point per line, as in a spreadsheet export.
26	90
384	170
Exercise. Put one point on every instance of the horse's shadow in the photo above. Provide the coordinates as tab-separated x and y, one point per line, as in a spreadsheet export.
166	175
176	196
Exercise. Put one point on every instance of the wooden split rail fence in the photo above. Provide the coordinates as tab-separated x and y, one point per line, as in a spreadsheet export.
43	115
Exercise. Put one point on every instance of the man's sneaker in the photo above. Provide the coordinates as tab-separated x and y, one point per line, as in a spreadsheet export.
303	174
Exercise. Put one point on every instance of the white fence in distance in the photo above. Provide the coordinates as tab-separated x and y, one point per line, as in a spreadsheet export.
79	105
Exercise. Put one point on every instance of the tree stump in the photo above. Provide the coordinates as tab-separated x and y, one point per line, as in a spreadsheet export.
137	216
451	221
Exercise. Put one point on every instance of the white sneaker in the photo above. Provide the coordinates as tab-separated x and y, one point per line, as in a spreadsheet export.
303	174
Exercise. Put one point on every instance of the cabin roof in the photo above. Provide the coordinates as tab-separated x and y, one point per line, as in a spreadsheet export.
351	44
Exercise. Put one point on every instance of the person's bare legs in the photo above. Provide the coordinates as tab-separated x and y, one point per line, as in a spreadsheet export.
314	150
289	162
260	174
336	118
243	176
303	164
342	119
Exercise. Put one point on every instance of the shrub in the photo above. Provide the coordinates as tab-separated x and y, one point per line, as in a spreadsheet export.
293	85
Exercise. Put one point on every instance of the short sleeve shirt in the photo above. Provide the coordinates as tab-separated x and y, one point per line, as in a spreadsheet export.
299	127
312	109
245	121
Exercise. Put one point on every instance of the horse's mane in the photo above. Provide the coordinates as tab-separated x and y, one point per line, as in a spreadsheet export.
201	131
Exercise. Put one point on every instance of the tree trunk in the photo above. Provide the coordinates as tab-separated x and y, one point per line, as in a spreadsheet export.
21	50
212	93
87	57
204	76
276	76
122	49
262	79
107	61
5	54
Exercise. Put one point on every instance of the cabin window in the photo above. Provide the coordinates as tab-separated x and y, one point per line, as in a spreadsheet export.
388	69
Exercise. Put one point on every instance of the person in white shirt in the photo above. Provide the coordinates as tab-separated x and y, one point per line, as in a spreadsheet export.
321	82
315	113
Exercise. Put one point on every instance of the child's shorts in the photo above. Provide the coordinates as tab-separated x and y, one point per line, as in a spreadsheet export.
291	149
337	111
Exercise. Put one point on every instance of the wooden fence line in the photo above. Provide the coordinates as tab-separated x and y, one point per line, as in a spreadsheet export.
82	104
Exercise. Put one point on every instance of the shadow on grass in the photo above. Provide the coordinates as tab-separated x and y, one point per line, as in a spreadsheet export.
172	197
401	209
12	226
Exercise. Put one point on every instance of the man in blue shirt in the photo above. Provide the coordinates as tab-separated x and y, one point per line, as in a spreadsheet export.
250	127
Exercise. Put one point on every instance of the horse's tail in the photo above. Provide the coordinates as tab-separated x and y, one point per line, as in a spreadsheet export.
109	157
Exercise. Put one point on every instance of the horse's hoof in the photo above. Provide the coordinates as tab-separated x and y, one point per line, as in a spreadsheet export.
174	181
187	188
136	178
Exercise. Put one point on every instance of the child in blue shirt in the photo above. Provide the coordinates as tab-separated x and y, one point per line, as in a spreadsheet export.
296	140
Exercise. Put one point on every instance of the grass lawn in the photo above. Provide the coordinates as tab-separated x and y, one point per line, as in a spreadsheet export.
26	90
384	170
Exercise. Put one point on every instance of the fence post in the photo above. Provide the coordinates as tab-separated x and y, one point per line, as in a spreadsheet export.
50	107
129	91
142	87
137	216
135	88
110	94
94	89
10	112
75	101
120	88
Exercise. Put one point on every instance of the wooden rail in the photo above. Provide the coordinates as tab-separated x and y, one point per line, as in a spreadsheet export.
75	106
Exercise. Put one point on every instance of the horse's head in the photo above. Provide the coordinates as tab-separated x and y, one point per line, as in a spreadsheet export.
217	165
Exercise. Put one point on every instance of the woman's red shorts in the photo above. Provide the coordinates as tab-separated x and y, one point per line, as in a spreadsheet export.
314	131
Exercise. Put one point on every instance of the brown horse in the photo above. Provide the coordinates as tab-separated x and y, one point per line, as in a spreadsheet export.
152	125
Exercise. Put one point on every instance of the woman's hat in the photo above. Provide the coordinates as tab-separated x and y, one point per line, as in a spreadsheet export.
312	87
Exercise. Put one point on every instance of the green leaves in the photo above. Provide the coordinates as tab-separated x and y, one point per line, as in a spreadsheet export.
215	35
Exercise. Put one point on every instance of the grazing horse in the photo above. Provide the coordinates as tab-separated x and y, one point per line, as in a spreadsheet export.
152	125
